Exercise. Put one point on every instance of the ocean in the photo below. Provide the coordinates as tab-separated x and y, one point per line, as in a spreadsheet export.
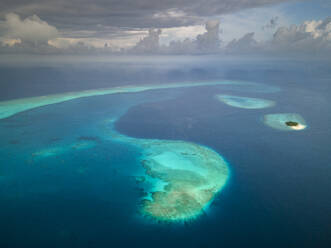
71	173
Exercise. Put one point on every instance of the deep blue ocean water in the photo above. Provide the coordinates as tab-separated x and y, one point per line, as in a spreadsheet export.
278	194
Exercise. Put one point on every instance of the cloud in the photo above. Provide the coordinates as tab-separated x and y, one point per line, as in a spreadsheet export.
149	44
33	35
203	43
245	44
311	38
76	14
122	23
209	41
180	33
234	25
30	31
37	36
273	22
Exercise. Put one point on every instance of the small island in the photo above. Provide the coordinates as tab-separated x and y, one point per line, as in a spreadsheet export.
285	121
291	123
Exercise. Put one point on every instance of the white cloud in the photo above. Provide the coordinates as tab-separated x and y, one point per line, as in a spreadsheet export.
63	43
245	44
209	41
31	30
311	38
170	13
180	33
37	36
205	42
150	43
252	20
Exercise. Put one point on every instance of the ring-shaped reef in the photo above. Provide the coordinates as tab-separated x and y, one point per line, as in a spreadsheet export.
285	121
245	102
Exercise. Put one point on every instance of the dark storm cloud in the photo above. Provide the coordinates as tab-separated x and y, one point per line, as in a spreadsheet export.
86	14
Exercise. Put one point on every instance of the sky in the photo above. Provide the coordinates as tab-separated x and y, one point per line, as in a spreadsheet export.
263	27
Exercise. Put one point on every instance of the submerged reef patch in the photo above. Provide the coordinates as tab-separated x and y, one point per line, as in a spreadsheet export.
184	177
285	121
88	138
245	102
192	174
59	150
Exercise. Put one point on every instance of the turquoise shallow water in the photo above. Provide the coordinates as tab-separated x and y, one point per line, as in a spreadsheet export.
190	175
85	192
245	102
